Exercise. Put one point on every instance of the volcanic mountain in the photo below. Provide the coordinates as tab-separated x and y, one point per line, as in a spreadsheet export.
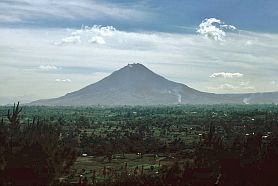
135	84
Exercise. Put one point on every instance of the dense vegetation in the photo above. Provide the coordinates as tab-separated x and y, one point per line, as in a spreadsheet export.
32	153
159	145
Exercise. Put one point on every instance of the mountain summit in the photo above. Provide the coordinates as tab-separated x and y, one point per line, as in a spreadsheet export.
135	84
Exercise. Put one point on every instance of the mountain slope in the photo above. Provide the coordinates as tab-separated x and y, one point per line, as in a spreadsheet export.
135	84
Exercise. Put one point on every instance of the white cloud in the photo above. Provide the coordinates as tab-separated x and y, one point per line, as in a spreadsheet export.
96	30
246	85
97	40
95	34
249	43
243	83
225	86
230	27
251	88
48	67
63	80
226	75
273	82
214	29
243	86
69	40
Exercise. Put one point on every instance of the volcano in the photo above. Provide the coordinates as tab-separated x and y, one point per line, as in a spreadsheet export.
135	84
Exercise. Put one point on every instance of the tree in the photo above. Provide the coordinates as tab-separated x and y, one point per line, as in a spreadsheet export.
40	156
14	123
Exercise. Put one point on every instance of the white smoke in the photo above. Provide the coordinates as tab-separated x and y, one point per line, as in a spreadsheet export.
179	98
177	93
246	101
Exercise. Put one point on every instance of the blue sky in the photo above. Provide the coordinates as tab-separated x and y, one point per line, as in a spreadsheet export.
49	47
155	15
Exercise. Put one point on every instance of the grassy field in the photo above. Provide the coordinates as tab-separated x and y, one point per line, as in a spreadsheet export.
150	164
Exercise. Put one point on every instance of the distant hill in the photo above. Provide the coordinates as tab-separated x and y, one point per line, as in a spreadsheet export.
135	84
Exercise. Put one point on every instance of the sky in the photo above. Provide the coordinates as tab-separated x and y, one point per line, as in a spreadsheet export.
51	47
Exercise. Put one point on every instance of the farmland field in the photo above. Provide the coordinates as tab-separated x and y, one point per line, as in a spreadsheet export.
113	144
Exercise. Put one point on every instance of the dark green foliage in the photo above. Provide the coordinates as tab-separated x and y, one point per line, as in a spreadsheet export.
14	116
222	142
32	153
